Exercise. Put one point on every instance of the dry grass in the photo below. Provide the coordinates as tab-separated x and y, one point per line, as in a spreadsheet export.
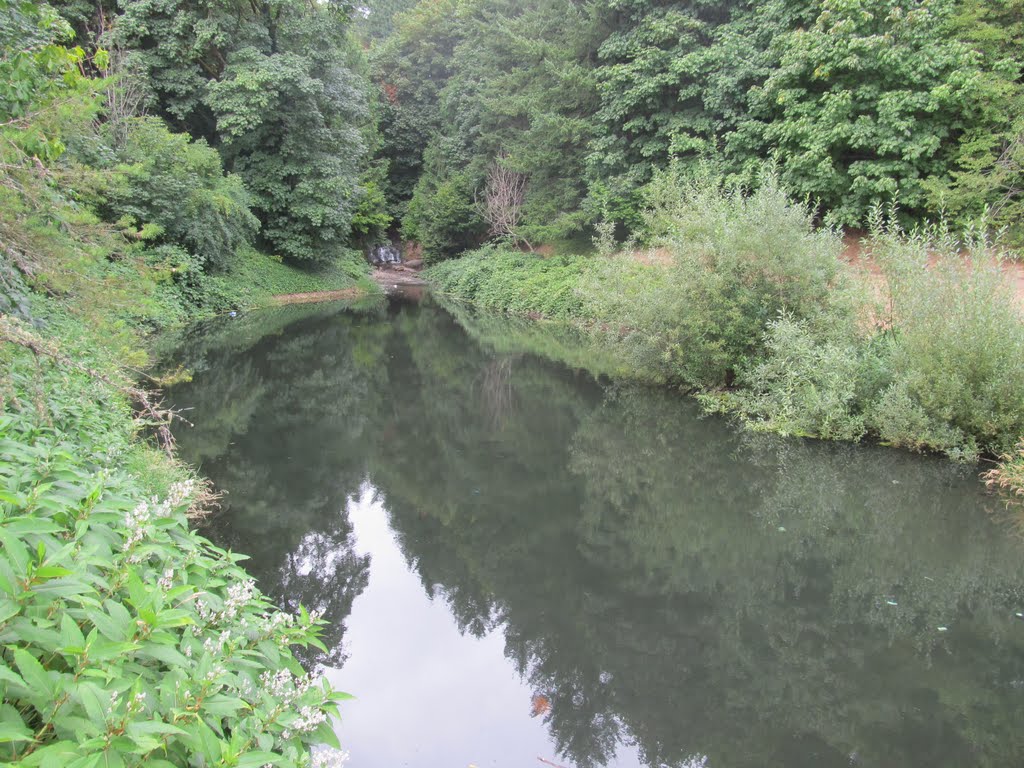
858	254
1008	477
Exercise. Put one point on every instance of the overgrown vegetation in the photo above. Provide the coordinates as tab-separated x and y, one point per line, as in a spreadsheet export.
128	639
861	102
729	275
512	281
747	302
135	227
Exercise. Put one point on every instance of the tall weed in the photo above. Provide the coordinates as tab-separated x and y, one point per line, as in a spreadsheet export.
1009	476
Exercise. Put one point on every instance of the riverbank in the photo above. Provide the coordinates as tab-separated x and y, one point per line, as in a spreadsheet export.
771	326
126	636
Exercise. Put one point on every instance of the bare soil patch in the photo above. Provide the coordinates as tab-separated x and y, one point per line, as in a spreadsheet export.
398	275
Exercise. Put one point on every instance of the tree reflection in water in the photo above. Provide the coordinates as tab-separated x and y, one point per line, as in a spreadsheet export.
659	577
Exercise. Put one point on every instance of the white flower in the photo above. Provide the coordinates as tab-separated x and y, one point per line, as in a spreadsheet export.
309	719
328	758
167	580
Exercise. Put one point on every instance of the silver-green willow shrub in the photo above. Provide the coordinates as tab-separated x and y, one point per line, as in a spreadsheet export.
737	259
957	345
129	640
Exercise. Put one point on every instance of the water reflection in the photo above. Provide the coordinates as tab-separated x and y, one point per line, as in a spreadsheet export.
662	585
415	706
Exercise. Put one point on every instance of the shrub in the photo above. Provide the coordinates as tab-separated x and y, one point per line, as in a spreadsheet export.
516	282
738	260
806	385
127	639
957	345
180	186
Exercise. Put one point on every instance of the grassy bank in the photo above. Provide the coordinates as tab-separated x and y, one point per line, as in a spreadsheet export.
743	301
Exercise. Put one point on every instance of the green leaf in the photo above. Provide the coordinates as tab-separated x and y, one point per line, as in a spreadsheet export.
165	654
326	735
8	608
151	727
56	755
8	675
259	759
14	731
32	525
173	618
223	706
36	677
94	702
104	650
52	572
204	740
15	549
121	617
70	634
106	625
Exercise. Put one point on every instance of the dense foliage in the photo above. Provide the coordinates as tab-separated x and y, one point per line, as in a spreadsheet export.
273	86
860	101
126	638
136	225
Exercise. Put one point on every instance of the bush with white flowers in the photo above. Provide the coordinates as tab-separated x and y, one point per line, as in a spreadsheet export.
129	640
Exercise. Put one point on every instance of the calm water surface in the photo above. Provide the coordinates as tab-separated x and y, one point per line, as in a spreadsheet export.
520	563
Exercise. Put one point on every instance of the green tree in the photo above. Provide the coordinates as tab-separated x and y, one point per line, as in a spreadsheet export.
273	86
167	180
867	103
410	68
519	93
988	170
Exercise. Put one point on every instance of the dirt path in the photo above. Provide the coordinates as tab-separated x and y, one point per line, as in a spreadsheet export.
388	278
854	255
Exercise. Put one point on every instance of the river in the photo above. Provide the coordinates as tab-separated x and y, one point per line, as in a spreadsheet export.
524	564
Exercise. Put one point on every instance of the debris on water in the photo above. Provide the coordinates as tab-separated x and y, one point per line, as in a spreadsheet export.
891	602
539	705
943	629
476	491
232	313
1019	615
928	578
782	529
